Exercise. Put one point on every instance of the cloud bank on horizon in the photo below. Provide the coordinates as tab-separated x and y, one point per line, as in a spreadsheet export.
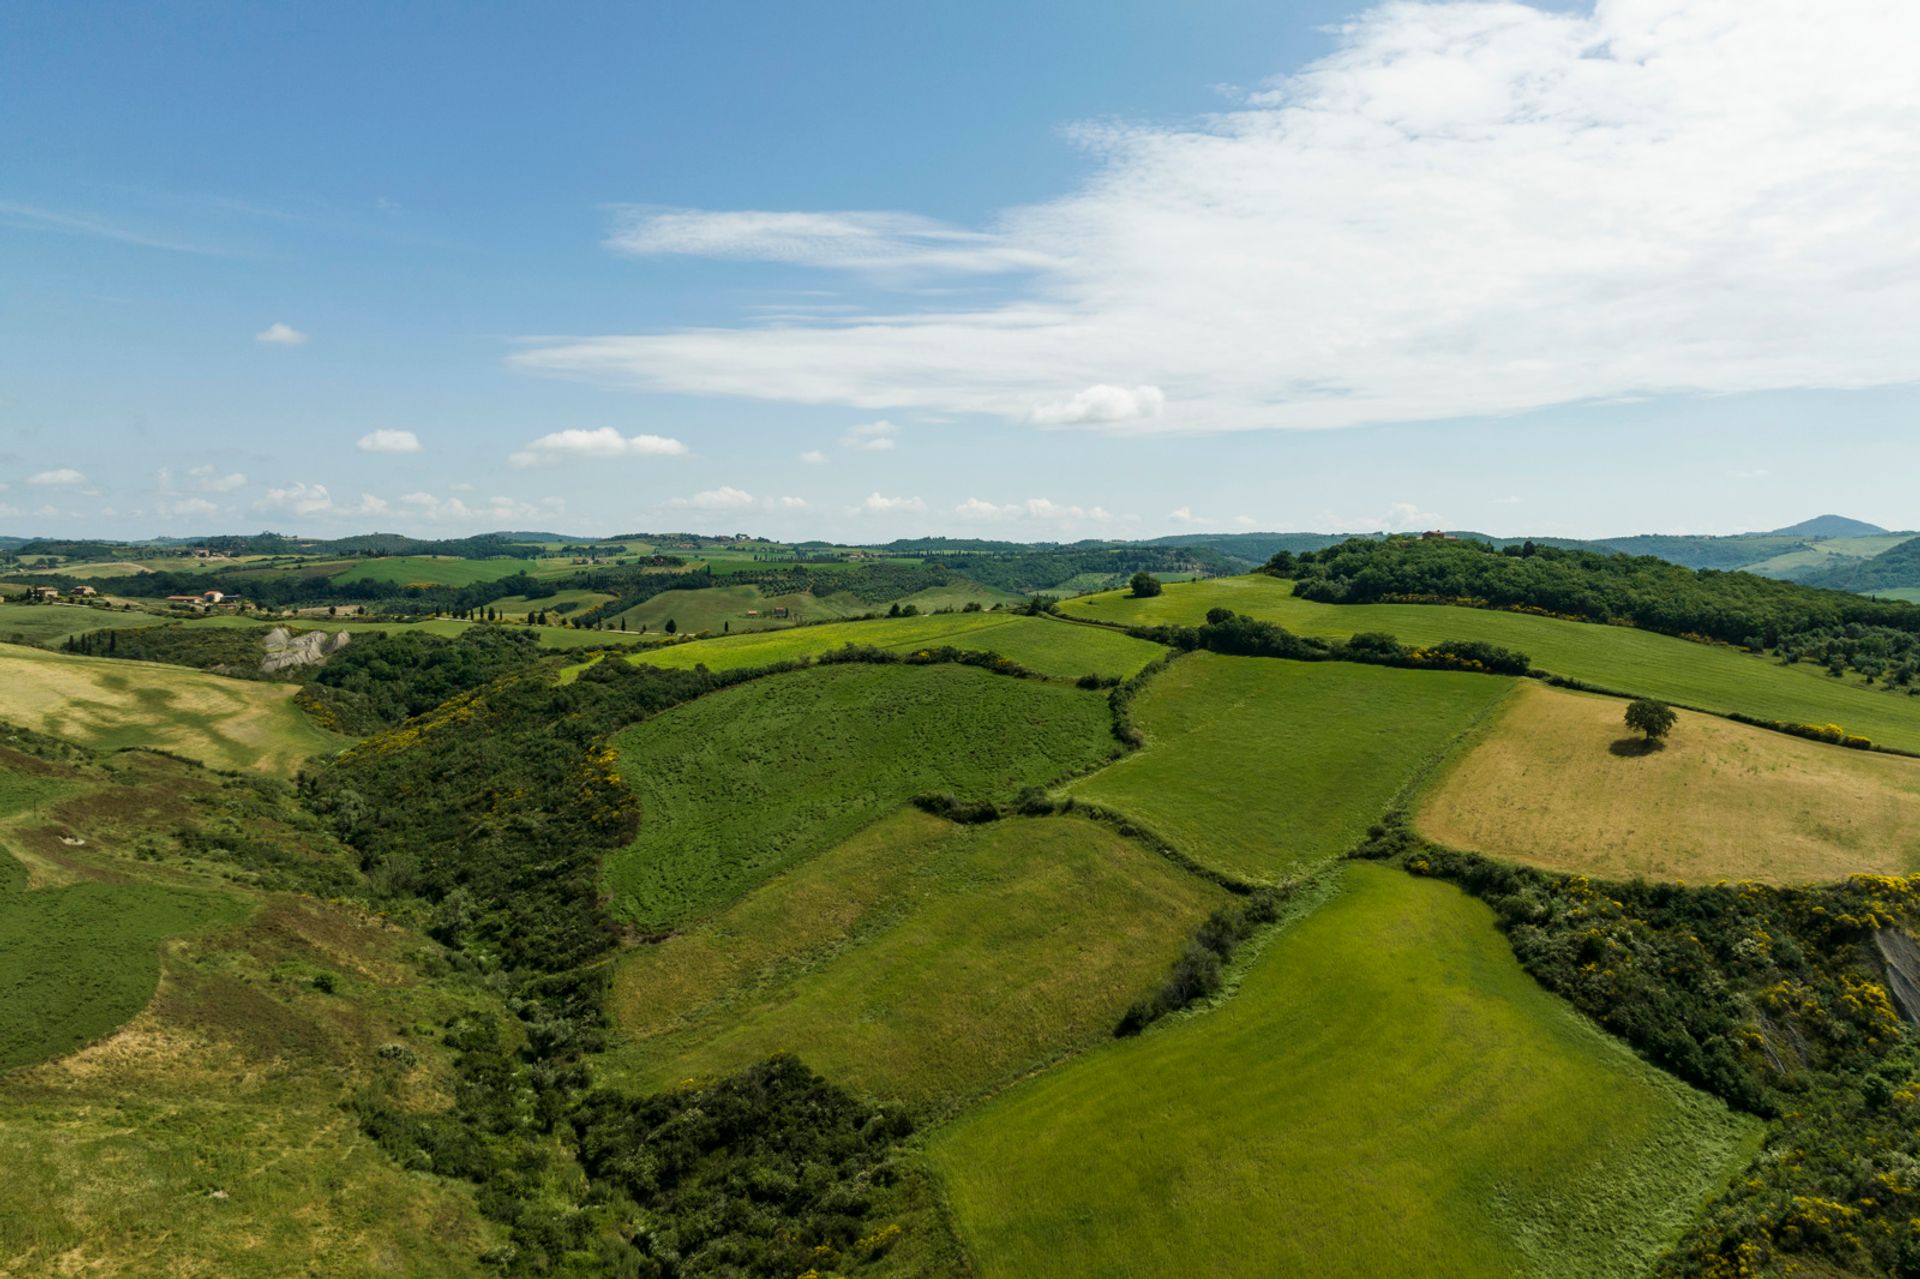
1466	208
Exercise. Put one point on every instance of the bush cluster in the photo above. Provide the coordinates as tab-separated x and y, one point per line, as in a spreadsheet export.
1197	974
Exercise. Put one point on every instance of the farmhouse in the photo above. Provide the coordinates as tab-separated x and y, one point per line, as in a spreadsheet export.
81	592
43	593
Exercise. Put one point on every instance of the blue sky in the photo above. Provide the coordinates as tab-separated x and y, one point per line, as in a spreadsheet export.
1014	270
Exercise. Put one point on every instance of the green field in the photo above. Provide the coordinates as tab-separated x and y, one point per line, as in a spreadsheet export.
1704	676
742	784
1260	768
1911	594
78	961
49	624
557	637
920	960
720	608
432	570
518	606
1040	644
1387	1094
1827	554
247	725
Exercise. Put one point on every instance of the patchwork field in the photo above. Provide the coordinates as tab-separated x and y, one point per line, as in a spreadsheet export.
568	601
1708	677
919	960
1388	1093
718	607
249	725
741	784
1559	782
1038	643
1260	768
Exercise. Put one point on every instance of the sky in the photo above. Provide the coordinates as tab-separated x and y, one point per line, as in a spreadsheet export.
1039	271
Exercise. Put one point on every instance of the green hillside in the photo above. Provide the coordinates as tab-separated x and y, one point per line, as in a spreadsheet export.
1260	769
1386	1093
919	960
744	783
1710	677
1038	643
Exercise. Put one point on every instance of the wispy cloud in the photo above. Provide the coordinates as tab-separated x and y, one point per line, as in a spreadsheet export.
724	498
32	217
871	437
879	504
59	477
1466	208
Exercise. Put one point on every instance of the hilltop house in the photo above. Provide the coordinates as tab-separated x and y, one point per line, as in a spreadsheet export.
81	592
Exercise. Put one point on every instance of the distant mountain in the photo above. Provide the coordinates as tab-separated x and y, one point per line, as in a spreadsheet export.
1895	567
1827	526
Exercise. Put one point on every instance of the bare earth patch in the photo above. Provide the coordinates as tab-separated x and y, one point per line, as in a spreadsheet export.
1552	784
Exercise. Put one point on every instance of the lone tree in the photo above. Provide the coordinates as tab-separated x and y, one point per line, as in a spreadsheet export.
1144	585
1653	719
671	628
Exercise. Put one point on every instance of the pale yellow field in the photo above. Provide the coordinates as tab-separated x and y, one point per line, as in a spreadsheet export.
247	725
1558	781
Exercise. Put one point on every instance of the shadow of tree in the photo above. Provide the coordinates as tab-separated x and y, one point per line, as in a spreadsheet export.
1634	747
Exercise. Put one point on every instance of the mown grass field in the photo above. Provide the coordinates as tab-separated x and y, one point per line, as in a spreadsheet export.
716	608
1260	768
435	570
248	725
1388	1093
518	606
1558	781
744	783
919	960
1709	677
49	624
1040	644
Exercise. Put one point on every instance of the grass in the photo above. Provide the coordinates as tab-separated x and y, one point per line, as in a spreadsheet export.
919	961
1388	1093
1041	644
1260	768
77	961
742	784
556	637
210	1135
1559	782
716	608
1707	677
248	725
432	570
1911	594
1825	554
521	605
50	624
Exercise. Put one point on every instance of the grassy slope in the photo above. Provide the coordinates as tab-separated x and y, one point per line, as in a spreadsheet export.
434	570
717	607
205	1136
49	624
1387	1094
1041	644
1546	786
518	606
1710	677
742	784
445	627
920	960
248	725
1826	554
1259	768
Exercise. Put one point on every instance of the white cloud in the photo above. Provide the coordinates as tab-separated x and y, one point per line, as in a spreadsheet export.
495	509
871	437
1040	509
788	503
877	504
59	477
388	441
859	240
277	334
602	442
724	498
1185	515
187	506
1101	404
209	479
1465	208
1400	517
299	497
814	457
